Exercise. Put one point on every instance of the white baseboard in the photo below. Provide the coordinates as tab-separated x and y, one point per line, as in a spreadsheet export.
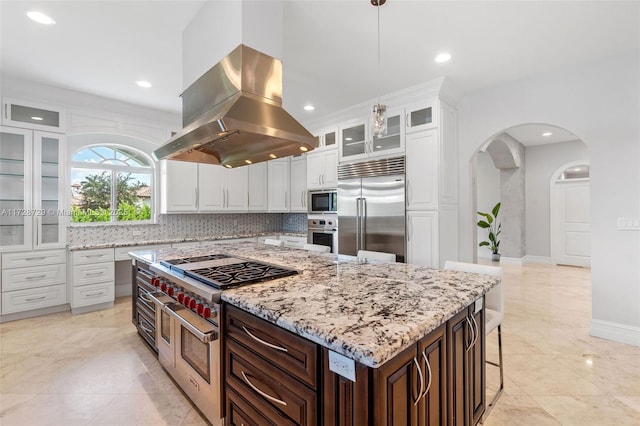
512	260
614	331
542	260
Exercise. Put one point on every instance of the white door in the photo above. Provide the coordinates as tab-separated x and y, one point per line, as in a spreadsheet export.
236	195
422	238
571	235
210	188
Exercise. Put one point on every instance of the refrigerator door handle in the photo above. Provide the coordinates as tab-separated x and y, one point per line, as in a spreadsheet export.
358	217
363	221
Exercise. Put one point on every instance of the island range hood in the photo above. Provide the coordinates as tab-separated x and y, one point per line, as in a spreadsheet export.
233	115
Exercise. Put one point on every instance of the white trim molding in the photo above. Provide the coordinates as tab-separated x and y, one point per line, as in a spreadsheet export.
512	260
541	260
615	331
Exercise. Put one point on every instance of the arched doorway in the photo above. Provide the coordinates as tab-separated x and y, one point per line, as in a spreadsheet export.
521	183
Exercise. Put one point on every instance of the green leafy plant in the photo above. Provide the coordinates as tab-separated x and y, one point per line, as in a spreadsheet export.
490	222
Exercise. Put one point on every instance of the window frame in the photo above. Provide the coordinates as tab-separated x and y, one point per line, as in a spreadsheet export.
115	169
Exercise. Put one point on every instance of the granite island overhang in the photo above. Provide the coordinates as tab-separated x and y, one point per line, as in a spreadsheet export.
368	312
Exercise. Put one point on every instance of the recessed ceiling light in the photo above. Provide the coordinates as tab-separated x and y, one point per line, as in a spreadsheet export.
545	134
37	118
143	83
309	107
40	18
443	57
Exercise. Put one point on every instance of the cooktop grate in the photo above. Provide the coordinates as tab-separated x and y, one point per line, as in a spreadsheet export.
238	274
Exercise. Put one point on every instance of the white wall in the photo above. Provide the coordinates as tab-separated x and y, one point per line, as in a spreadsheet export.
541	162
488	181
600	103
220	26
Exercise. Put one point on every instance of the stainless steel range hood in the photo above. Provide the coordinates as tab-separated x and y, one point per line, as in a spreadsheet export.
233	115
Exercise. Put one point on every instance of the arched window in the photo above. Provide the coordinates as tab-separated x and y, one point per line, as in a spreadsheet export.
111	183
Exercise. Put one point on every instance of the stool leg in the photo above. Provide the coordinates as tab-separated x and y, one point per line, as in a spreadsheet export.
493	401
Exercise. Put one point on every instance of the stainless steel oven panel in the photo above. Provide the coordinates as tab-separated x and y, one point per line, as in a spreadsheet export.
164	332
204	330
205	392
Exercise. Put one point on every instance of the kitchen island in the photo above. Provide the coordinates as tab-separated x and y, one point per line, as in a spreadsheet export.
345	342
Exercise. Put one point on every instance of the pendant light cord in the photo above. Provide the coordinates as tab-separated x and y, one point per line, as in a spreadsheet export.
379	78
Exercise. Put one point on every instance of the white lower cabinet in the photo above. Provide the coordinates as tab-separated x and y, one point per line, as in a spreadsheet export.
33	280
92	279
422	238
33	298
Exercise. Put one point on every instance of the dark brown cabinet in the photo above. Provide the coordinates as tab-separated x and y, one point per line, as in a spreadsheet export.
411	388
270	373
466	354
437	381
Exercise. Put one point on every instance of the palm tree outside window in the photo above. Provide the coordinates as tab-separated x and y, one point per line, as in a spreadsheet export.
111	183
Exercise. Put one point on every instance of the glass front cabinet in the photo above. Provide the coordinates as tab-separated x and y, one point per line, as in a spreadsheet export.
358	142
32	213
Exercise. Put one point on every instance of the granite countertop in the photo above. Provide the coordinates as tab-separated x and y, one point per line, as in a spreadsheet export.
178	240
368	312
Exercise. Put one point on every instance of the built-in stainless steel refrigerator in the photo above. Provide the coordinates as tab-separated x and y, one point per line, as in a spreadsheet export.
371	207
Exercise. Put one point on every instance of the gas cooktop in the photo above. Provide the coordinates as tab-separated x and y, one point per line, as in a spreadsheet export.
222	271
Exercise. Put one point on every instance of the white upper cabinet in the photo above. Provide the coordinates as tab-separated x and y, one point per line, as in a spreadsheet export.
298	193
278	191
421	116
322	169
190	188
328	138
258	187
393	141
354	139
357	141
34	116
31	190
179	182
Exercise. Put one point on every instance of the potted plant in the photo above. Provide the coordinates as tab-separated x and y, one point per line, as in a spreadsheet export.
491	222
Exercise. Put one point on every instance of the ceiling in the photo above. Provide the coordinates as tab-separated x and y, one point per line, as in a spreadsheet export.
329	47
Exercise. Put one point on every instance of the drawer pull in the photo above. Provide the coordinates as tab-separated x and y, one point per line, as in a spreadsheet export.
31	259
35	277
91	256
145	299
145	329
94	294
269	397
33	299
271	345
94	274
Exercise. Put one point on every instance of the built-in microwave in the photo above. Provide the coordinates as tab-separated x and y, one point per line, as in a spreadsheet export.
325	201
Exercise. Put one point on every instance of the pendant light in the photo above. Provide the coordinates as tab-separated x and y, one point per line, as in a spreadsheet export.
379	112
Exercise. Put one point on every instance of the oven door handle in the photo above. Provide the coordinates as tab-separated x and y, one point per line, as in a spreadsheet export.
202	329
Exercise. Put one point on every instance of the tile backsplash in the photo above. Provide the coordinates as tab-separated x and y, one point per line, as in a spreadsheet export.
173	226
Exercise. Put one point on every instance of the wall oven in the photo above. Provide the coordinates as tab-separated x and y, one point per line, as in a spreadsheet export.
189	349
325	201
323	230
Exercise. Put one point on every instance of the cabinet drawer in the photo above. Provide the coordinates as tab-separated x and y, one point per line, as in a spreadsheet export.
33	258
96	273
241	413
82	257
262	383
92	294
122	253
37	276
292	353
33	298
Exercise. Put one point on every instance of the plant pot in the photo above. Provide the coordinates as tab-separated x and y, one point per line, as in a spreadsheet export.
495	257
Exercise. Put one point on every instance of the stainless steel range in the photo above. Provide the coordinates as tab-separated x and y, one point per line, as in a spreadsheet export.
187	323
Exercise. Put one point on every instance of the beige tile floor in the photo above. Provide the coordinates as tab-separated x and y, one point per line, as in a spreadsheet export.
93	369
